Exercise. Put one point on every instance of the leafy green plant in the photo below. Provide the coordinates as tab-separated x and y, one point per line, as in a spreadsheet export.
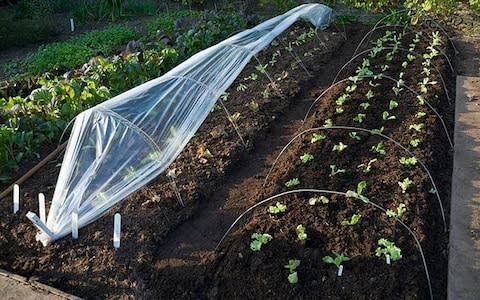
392	104
253	106
405	184
366	168
361	186
386	116
416	127
258	240
337	260
322	199
306	157
353	220
241	87
292	182
339	147
292	267
415	142
342	99
354	135
370	94
328	123
261	68
388	248
277	208
379	148
334	171
317	137
359	118
410	161
364	105
398	212
420	114
301	234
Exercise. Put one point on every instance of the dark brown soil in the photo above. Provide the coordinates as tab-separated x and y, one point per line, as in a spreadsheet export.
166	249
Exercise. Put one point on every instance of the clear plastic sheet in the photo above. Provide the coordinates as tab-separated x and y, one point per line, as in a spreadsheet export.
117	147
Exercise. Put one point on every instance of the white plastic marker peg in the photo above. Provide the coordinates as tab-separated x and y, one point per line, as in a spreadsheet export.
75	225
387	258
72	25
16	198
117	225
41	207
340	271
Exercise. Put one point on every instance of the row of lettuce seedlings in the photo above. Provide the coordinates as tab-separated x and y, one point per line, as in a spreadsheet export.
391	40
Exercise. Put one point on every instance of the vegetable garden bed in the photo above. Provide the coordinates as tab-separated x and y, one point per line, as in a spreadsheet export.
333	159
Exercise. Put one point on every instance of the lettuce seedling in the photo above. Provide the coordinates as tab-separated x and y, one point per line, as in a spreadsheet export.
337	261
411	161
370	94
328	123
420	114
410	57
353	220
259	239
379	148
292	266
415	142
366	168
405	184
386	116
306	157
392	104
362	185
342	99
388	248
339	110
314	200
292	182
334	171
360	118
301	234
417	127
317	137
252	105
339	147
399	211
354	135
377	130
364	105
277	208
241	87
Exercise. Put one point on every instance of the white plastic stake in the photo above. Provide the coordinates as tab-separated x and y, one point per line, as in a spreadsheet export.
340	271
16	198
75	225
41	207
117	224
72	25
387	258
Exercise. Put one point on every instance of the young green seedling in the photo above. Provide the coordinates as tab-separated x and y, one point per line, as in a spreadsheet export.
277	208
292	267
317	137
328	123
392	104
292	182
314	200
388	249
386	116
415	142
301	234
306	158
241	87
364	105
370	94
366	168
353	220
334	171
359	118
420	114
405	184
379	148
354	135
361	186
258	240
416	127
342	99
339	110
337	261
339	147
399	211
261	68
410	161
